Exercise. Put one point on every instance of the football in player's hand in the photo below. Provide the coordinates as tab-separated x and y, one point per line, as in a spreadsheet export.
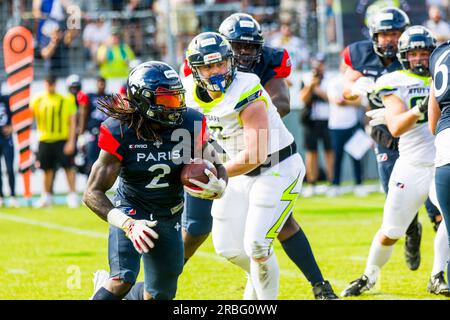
196	170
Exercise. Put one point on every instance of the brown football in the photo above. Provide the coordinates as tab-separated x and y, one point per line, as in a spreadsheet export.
196	170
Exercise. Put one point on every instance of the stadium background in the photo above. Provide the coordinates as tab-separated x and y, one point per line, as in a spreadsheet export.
309	20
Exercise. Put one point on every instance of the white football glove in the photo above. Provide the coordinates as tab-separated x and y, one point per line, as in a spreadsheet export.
363	86
377	116
141	234
214	189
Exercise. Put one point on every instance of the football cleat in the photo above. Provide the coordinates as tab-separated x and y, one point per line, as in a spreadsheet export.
100	277
437	285
358	286
324	291
412	248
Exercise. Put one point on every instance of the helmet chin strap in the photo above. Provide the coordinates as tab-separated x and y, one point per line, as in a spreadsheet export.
217	80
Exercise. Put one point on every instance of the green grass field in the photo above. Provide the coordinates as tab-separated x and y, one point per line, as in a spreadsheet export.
52	254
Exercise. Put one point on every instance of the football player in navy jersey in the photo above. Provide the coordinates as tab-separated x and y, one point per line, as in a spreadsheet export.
439	123
94	119
145	142
272	66
367	61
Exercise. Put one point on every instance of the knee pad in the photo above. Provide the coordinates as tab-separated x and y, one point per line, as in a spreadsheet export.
258	250
393	233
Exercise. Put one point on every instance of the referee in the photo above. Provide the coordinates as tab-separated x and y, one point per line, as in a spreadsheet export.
55	117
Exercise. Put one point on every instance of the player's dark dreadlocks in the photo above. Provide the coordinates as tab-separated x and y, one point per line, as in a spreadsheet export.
127	113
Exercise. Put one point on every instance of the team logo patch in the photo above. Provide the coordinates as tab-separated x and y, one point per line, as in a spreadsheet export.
207	42
382	157
132	212
209	58
170	74
288	62
246	24
177	227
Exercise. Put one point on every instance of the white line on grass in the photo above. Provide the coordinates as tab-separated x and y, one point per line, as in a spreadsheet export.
94	234
53	226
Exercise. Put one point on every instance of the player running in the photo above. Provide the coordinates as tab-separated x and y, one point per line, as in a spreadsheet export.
439	122
272	66
138	145
265	170
403	94
367	61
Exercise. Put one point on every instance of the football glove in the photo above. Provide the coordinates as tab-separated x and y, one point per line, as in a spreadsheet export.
141	234
363	86
214	189
377	116
421	107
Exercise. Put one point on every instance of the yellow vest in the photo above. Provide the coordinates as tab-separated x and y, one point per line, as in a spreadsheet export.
52	113
116	63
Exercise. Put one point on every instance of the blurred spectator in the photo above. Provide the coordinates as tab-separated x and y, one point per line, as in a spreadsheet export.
117	5
73	83
114	56
343	123
443	5
95	118
49	10
7	151
331	22
314	118
54	48
55	117
96	32
439	28
133	30
184	23
295	46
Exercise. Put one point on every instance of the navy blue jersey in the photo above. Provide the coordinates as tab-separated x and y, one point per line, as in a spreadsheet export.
360	56
95	116
5	113
439	68
274	63
150	174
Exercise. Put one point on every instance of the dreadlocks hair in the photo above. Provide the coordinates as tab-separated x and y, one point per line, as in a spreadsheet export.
126	111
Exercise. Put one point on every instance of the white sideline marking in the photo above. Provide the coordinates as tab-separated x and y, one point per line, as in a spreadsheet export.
53	226
101	235
16	271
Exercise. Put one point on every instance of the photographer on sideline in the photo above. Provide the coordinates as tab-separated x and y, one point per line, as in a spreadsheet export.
314	118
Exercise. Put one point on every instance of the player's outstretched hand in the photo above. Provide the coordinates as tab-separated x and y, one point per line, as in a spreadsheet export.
363	86
140	233
214	189
377	116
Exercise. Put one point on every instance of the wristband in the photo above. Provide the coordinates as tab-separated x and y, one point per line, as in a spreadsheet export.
117	218
416	111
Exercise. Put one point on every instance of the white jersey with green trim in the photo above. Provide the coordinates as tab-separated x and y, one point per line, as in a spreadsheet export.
223	114
417	144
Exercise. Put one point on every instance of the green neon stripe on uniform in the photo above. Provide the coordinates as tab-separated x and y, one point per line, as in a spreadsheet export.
287	196
206	106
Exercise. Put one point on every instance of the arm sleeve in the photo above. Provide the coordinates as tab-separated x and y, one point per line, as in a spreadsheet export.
283	70
109	142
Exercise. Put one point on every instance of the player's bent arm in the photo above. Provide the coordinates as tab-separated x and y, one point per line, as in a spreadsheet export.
210	154
434	113
255	121
278	90
103	175
350	77
399	120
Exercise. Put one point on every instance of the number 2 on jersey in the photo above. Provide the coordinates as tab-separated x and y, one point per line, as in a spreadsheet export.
165	171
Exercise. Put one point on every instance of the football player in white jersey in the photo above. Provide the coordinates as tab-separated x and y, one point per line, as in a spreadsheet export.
265	171
404	93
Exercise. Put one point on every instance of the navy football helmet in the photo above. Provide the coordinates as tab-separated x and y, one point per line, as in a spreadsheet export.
388	19
245	35
415	37
156	91
208	48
